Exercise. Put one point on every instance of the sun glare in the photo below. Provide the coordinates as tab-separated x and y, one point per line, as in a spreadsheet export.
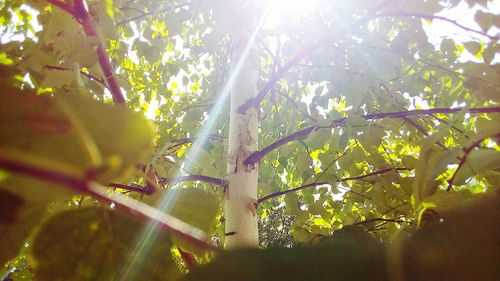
279	10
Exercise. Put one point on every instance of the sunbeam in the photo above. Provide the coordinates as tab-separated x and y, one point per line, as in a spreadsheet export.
146	240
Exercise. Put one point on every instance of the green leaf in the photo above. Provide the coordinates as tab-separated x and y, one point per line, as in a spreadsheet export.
24	203
292	203
98	244
344	139
473	47
194	206
73	135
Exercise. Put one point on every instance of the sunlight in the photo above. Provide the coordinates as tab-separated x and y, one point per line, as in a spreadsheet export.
287	7
146	240
279	10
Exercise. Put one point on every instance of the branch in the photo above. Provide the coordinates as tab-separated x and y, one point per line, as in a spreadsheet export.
63	6
165	221
432	17
188	258
136	188
258	155
88	75
207	179
380	219
462	159
80	12
279	75
420	129
143	15
277	194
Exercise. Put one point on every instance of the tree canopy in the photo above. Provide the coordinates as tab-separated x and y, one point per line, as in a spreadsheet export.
374	118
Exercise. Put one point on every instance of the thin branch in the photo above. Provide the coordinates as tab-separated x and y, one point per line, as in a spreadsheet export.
80	12
277	194
380	219
420	129
462	159
432	17
188	258
88	75
258	155
207	179
135	188
279	75
166	222
143	15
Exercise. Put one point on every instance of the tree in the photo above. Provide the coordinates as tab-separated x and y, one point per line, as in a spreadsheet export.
347	119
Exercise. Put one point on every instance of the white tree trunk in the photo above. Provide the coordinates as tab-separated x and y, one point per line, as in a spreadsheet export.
239	209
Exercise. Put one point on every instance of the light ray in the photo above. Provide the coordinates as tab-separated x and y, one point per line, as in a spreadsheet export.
146	240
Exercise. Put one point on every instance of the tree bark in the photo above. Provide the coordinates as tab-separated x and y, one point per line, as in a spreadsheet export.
241	190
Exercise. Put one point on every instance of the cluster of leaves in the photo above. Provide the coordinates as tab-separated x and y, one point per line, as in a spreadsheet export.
326	160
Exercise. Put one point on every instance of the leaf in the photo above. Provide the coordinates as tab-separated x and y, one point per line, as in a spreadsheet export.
73	135
264	189
98	244
23	205
473	47
484	20
303	162
478	162
194	206
292	203
344	139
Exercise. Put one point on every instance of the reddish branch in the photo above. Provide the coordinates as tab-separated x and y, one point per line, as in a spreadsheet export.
462	159
279	75
314	184
258	155
432	17
206	179
147	190
81	14
83	186
188	258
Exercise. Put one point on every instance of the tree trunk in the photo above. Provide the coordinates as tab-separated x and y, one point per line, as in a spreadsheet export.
241	193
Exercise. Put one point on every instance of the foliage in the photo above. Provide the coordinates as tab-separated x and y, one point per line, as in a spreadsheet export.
365	120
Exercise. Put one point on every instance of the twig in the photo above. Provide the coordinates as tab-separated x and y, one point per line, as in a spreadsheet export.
258	155
188	258
379	219
136	188
277	194
462	159
88	75
207	179
279	75
431	17
421	129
